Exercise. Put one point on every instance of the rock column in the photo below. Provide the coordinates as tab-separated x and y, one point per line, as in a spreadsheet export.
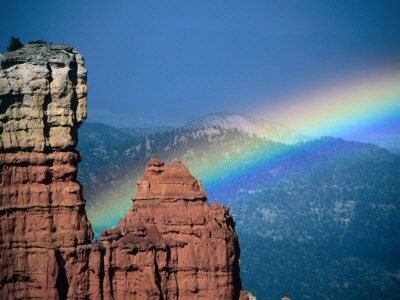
42	213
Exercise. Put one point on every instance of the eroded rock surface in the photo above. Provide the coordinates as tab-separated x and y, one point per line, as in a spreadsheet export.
42	98
42	214
194	250
171	244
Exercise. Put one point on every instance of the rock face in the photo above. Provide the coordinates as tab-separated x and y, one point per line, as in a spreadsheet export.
194	249
42	104
42	98
171	243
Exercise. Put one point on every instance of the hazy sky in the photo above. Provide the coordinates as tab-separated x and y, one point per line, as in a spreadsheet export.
166	62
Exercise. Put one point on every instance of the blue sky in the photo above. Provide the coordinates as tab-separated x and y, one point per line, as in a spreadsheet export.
166	62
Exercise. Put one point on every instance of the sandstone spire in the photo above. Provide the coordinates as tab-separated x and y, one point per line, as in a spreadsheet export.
194	245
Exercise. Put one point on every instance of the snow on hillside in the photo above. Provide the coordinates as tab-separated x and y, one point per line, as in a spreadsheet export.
262	128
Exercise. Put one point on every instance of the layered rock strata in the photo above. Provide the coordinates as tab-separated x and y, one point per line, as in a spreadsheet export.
42	103
171	244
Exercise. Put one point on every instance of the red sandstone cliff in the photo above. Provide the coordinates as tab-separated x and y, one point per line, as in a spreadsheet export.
43	102
171	243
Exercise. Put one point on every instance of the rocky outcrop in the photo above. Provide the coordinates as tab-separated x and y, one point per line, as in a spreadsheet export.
42	98
171	244
42	104
194	251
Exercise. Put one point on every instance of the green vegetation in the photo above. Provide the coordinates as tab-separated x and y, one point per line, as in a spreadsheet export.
39	42
15	44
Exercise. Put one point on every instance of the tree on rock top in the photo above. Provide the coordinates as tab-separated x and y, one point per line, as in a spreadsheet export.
15	44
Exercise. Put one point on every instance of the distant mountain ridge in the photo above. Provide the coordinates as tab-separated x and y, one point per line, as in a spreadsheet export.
270	130
273	131
321	217
117	133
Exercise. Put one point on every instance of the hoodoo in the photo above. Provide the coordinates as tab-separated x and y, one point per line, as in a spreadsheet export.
43	219
171	244
179	245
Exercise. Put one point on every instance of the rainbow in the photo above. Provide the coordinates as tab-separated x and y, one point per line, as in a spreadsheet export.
350	111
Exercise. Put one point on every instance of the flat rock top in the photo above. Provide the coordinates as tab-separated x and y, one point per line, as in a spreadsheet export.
38	54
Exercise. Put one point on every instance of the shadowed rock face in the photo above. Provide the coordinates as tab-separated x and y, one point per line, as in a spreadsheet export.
171	243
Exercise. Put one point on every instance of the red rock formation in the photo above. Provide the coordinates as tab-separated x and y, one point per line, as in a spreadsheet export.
194	249
42	214
171	243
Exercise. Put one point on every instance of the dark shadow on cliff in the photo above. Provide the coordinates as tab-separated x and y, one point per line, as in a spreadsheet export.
62	281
